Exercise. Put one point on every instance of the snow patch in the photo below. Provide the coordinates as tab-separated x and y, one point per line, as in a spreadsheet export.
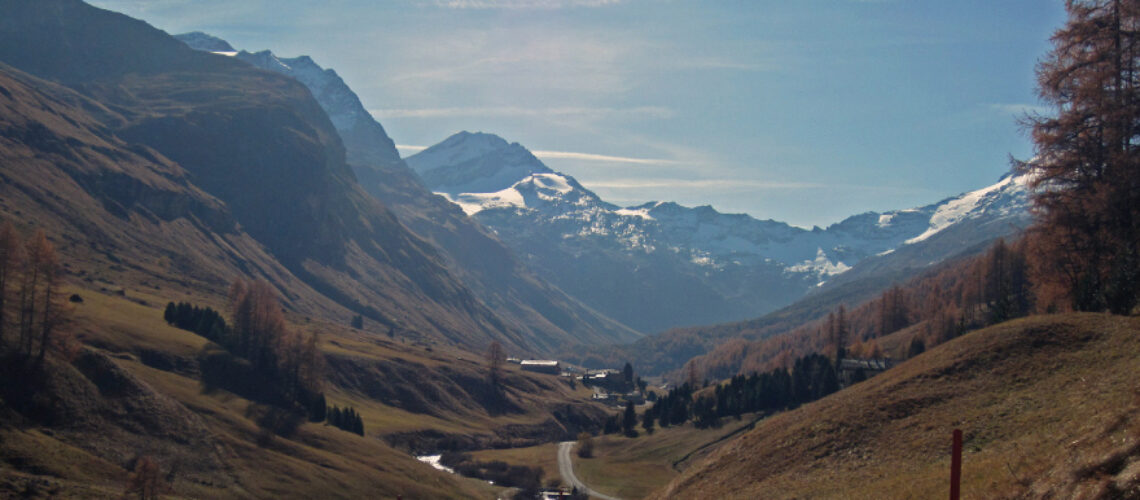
964	207
553	182
473	203
433	460
820	265
885	220
642	213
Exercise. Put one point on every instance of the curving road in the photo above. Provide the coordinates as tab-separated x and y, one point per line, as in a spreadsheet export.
566	470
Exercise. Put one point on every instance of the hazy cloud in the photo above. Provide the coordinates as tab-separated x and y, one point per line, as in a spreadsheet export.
1019	110
564	155
522	4
665	183
406	150
516	111
644	183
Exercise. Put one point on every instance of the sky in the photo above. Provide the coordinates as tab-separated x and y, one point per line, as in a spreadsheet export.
804	111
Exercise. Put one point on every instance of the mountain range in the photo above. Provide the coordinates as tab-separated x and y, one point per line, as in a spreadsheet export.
160	168
651	267
272	193
661	265
547	317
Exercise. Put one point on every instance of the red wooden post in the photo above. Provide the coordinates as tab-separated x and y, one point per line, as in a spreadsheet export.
956	466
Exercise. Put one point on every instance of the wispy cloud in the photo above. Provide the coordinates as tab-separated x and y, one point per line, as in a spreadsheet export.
517	111
663	183
522	4
565	155
405	149
509	63
1019	109
724	184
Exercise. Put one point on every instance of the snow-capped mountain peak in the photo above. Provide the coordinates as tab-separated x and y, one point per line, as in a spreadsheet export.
648	265
475	163
1009	195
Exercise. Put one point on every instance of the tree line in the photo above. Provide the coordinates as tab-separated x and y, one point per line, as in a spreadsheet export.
940	305
1086	168
528	480
201	320
256	353
32	307
810	378
345	419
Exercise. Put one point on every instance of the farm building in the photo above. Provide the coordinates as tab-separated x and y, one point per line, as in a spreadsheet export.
541	366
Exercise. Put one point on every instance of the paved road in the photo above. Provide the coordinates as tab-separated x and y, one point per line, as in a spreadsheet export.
566	469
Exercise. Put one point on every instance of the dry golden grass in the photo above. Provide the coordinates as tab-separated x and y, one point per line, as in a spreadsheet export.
319	461
1048	406
634	467
625	467
544	456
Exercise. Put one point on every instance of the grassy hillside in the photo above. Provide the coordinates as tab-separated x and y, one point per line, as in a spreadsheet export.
625	467
1048	406
133	390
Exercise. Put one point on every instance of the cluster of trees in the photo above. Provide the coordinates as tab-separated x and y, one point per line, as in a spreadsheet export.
1087	165
957	297
810	378
527	479
203	321
496	359
255	353
345	419
585	445
960	297
260	335
146	481
32	308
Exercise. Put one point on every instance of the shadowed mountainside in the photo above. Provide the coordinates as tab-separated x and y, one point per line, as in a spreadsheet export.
261	145
470	252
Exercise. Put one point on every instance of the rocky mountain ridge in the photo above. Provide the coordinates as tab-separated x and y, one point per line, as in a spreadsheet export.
524	302
628	261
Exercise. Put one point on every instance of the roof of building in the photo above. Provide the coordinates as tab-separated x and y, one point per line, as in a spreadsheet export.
866	364
540	362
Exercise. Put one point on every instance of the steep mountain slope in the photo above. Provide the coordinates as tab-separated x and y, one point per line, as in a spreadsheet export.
1047	406
135	228
260	143
661	265
477	258
121	213
132	231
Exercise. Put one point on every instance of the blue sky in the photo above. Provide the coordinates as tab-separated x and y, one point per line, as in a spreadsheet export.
803	111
